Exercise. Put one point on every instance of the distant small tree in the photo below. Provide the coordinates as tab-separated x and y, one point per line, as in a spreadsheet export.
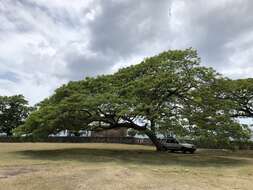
13	112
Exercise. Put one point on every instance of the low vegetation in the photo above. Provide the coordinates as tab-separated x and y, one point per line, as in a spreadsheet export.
43	166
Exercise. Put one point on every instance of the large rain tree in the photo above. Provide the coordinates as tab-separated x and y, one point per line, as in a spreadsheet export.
151	97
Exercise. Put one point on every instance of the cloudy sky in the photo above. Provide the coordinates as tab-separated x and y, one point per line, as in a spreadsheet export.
45	43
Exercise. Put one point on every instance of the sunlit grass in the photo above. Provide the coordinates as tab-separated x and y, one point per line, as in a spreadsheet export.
41	166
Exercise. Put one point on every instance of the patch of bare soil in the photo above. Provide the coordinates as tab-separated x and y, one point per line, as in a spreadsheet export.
11	171
124	173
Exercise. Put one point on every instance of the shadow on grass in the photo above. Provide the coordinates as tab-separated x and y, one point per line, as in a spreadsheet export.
138	157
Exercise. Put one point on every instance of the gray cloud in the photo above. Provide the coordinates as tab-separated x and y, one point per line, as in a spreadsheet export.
215	29
9	76
120	29
124	27
46	43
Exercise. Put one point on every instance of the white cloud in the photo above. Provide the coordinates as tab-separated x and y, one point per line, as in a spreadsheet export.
46	43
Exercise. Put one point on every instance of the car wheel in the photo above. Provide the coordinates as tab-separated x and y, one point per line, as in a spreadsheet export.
192	151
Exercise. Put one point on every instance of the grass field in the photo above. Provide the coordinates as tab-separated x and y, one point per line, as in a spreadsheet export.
44	166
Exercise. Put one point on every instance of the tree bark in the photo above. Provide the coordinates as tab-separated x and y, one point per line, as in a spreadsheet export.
8	133
149	132
152	136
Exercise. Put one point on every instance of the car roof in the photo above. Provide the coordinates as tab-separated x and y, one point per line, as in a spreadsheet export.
170	138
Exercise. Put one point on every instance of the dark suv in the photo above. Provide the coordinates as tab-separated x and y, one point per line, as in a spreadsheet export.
173	144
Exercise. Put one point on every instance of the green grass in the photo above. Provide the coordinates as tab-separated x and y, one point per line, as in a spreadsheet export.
40	166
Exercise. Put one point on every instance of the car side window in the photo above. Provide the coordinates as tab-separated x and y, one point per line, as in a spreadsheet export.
171	141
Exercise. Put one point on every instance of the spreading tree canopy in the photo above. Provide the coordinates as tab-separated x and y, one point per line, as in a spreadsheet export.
240	93
213	116
162	93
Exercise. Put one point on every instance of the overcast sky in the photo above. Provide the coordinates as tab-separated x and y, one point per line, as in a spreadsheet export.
45	43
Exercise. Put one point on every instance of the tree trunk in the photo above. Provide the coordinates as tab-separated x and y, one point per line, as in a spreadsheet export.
152	136
8	133
150	133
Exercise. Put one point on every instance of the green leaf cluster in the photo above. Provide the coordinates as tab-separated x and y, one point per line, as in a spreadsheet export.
166	93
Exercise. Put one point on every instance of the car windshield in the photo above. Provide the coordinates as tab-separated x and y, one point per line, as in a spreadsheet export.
171	141
180	141
174	140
